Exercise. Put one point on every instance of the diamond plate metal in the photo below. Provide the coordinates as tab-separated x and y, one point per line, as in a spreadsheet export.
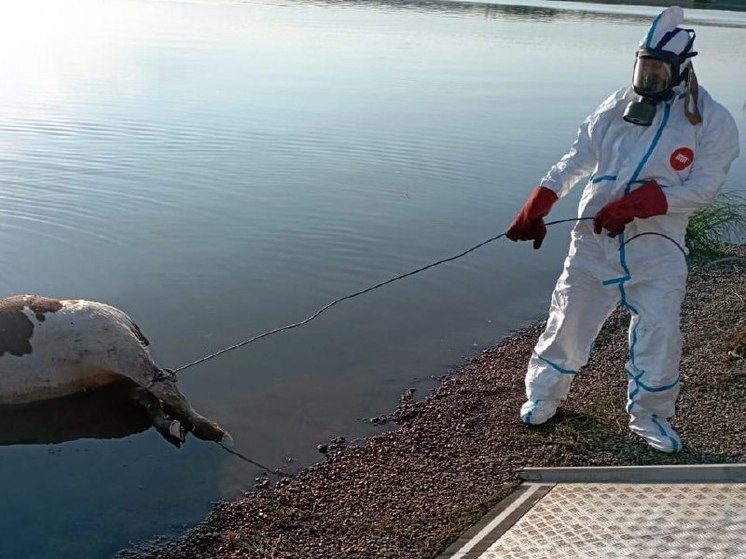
625	521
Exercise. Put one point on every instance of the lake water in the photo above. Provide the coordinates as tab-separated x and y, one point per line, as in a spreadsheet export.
218	169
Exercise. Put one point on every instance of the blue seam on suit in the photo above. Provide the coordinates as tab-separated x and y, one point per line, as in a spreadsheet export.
556	367
595	180
623	255
663	432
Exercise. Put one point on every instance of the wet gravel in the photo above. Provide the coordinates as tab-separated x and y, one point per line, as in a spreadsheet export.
410	492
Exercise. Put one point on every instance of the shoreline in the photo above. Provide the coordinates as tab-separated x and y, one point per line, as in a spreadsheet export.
408	493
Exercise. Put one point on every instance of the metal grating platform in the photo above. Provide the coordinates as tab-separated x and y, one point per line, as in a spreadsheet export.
611	520
614	521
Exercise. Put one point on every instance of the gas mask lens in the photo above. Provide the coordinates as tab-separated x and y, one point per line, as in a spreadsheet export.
651	77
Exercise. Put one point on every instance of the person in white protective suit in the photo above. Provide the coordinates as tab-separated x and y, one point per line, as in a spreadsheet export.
652	154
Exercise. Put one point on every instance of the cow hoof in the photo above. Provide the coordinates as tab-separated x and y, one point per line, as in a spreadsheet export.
227	440
176	431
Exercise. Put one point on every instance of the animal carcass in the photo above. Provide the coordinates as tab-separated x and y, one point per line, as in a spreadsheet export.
51	348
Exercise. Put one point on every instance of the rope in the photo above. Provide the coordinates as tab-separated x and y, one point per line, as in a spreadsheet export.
280	473
275	472
660	235
381	284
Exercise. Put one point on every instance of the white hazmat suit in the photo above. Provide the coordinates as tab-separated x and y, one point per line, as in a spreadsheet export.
647	276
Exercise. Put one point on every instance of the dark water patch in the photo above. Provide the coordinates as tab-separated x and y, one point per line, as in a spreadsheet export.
106	413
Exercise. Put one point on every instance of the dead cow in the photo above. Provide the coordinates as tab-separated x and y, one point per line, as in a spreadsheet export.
51	348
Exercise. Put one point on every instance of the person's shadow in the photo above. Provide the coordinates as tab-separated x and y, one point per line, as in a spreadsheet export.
105	413
584	439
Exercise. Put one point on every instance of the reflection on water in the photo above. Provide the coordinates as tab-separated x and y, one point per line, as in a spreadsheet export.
607	10
105	413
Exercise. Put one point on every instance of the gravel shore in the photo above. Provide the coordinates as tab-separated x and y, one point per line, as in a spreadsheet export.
410	492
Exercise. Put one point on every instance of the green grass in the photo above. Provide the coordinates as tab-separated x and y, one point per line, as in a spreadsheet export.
723	222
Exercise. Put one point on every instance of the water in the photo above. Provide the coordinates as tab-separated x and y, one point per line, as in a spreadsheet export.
217	169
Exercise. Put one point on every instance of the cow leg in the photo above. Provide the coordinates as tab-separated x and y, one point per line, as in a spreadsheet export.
170	429
166	391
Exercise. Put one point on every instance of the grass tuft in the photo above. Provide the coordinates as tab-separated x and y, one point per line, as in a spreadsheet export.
722	222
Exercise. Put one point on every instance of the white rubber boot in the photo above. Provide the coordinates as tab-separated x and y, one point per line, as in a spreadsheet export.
536	412
656	431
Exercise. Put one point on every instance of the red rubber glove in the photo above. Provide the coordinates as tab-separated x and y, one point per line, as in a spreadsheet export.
529	223
646	201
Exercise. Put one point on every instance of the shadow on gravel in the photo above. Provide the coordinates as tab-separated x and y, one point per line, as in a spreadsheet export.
582	439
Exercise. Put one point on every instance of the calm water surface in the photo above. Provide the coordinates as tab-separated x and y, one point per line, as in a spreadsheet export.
218	169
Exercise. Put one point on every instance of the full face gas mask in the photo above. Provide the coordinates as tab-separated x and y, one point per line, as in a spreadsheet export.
657	72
